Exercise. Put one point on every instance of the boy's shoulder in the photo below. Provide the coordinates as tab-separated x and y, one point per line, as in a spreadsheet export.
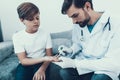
18	33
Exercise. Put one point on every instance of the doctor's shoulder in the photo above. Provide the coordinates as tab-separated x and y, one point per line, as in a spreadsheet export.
76	28
115	23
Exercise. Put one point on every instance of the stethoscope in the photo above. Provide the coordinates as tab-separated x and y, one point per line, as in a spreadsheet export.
107	23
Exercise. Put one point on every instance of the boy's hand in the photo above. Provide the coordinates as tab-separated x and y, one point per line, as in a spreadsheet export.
51	58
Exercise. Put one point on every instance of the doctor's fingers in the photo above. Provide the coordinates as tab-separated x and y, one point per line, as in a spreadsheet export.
56	58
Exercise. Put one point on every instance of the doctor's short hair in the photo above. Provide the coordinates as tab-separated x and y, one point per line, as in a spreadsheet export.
27	10
78	4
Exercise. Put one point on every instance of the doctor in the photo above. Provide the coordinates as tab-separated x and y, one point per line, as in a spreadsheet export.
95	51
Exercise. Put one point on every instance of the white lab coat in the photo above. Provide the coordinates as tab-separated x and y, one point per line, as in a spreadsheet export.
100	48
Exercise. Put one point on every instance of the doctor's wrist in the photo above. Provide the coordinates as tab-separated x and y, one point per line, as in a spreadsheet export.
70	51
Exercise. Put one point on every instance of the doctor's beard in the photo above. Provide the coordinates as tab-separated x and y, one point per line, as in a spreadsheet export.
84	23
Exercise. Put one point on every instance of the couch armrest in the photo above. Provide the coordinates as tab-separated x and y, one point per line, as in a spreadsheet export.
6	48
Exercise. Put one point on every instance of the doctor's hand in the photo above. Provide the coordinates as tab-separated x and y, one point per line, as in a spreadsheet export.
63	50
66	62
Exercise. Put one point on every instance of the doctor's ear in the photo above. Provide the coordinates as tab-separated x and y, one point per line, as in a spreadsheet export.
87	6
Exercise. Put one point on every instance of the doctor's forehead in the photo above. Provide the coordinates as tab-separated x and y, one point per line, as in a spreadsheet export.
72	11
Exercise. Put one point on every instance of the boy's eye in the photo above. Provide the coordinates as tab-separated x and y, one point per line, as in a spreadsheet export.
30	19
37	18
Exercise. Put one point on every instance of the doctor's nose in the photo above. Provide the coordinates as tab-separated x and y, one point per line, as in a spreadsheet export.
74	21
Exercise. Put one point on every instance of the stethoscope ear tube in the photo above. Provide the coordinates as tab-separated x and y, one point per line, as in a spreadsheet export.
108	23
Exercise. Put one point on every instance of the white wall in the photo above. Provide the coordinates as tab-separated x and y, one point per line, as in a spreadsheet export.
110	5
50	14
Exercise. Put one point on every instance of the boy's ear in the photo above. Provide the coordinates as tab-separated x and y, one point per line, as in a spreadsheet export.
21	19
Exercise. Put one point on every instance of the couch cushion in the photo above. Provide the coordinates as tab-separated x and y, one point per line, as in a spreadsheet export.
8	68
6	48
63	34
60	41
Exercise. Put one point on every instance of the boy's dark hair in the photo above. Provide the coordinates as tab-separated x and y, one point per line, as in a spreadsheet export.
27	10
77	3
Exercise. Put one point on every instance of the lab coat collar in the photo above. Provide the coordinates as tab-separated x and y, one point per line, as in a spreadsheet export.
101	23
104	17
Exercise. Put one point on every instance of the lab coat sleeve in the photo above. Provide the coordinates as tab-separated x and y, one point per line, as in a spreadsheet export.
76	47
114	48
110	62
100	66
